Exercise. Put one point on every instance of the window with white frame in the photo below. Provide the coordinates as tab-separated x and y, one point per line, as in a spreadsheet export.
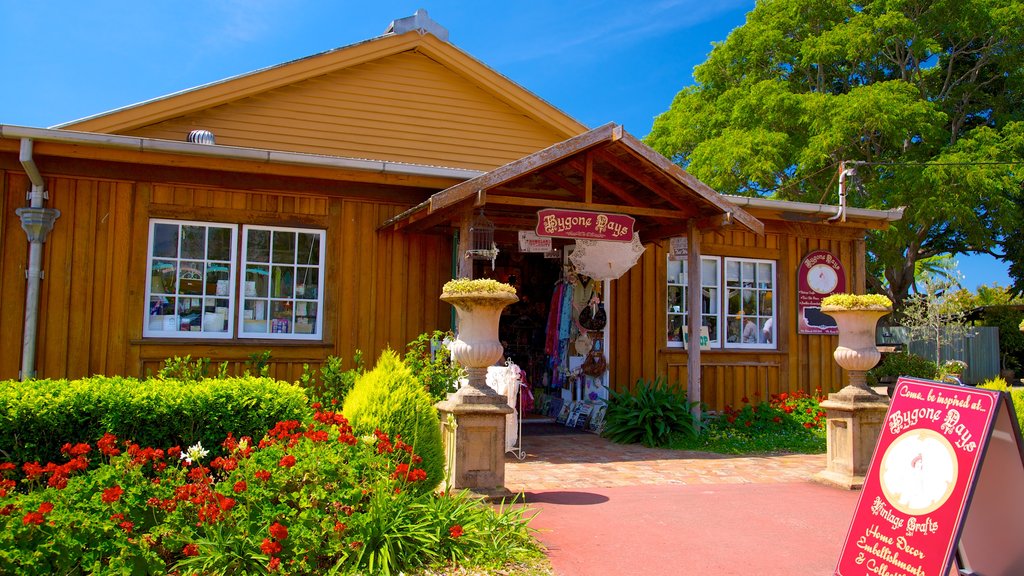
737	302
678	299
195	292
282	294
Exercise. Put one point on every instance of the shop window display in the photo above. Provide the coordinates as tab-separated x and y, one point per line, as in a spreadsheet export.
194	269
737	302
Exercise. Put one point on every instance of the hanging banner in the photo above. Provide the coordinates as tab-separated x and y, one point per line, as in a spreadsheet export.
557	223
936	442
530	242
820	274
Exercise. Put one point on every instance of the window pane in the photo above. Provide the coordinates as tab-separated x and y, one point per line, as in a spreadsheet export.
307	280
284	247
193	242
257	248
747	274
219	246
309	249
732	273
165	241
709	272
676	302
676	327
257	280
306	317
281	279
162	277
190	277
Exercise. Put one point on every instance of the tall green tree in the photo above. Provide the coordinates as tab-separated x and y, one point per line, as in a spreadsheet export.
924	98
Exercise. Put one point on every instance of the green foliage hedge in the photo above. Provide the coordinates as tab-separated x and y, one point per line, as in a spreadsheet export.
38	416
1016	395
903	364
391	399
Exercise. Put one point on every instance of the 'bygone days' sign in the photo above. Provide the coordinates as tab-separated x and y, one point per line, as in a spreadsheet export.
921	480
581	224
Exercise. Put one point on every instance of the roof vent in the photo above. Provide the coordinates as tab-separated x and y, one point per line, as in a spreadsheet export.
420	22
201	137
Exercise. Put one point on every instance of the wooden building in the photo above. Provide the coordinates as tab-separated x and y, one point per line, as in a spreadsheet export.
317	207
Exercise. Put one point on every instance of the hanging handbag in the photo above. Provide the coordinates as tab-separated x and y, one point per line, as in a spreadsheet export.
595	364
593	317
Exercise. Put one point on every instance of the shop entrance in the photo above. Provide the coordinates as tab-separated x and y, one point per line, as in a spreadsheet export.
556	334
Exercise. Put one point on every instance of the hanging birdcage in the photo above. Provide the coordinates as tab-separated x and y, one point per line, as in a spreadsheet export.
481	234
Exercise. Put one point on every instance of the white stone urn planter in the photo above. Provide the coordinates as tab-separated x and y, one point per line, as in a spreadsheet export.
478	305
856	318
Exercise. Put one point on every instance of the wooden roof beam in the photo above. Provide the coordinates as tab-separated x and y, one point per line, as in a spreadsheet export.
536	161
650	183
642	211
641	150
616	190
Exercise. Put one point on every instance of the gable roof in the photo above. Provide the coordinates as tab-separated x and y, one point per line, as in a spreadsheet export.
605	169
407	97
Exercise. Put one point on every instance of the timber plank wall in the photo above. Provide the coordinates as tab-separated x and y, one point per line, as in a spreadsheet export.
381	289
801	362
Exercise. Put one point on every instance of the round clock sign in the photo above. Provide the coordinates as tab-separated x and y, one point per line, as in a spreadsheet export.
822	278
820	274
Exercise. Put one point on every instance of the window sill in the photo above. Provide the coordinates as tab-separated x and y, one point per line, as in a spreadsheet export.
714	351
232	342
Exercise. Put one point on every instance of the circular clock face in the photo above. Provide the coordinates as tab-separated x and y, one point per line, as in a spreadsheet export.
822	278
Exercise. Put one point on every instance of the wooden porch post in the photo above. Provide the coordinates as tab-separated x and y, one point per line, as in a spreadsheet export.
693	320
465	267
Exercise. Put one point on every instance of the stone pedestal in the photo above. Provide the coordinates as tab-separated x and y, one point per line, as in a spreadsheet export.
474	442
854	415
854	422
473	419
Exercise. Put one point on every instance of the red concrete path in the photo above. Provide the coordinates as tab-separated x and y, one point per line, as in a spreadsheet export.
605	509
781	529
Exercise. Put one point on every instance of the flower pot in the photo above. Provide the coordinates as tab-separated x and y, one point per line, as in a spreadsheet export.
857	352
477	346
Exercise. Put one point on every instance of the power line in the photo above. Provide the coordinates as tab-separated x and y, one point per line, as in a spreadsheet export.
865	163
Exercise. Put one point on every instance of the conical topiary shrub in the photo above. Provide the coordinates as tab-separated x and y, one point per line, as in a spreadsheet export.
391	399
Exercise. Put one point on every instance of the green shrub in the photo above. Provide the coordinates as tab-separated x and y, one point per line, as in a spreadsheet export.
38	416
184	369
306	499
434	366
1016	396
391	399
650	415
996	383
903	364
330	384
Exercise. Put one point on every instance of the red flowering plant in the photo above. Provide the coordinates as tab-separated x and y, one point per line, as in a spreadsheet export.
786	422
307	498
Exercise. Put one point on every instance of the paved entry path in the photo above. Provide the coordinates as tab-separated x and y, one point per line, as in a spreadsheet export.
607	509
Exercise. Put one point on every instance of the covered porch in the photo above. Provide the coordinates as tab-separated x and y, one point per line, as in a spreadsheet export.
604	171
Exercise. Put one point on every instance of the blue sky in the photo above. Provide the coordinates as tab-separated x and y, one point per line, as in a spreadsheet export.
599	61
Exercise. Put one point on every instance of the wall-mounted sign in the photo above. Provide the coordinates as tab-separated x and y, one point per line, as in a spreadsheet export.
944	482
580	224
678	248
820	274
530	242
